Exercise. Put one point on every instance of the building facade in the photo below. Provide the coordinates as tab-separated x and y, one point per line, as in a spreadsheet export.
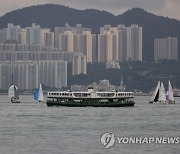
53	73
79	65
120	43
166	48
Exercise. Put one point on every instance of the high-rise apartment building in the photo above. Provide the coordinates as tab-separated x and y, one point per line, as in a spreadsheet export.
61	30
166	48
66	41
47	38
120	43
33	35
85	45
136	43
53	73
76	39
12	34
79	64
25	74
5	75
2	36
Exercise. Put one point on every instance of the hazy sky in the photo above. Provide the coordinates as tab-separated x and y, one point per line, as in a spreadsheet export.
170	8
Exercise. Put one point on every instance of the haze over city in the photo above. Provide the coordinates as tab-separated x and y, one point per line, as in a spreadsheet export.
167	8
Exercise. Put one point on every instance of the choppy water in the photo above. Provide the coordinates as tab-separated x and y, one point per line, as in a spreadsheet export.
34	128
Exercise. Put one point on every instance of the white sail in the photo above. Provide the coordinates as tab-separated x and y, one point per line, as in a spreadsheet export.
41	98
170	94
155	92
162	93
12	92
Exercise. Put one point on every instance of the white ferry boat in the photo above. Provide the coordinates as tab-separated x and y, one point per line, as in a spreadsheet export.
90	98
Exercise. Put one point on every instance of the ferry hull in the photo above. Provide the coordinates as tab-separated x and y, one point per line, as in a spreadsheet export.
89	102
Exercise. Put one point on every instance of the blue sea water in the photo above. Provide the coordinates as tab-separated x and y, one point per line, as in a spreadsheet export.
34	128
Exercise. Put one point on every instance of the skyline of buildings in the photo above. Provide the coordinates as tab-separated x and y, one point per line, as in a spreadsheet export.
119	43
76	45
27	75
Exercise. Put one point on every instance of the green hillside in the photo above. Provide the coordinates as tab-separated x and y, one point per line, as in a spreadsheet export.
143	75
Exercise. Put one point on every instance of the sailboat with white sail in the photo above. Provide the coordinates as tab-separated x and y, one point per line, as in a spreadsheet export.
38	94
170	94
13	94
159	95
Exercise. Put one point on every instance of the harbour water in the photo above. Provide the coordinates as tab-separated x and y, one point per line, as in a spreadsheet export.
34	128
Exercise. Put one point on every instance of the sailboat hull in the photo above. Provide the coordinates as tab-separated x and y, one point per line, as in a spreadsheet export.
13	94
14	100
159	102
38	94
171	102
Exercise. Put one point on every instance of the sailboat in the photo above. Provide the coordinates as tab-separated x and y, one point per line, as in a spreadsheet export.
159	95
13	94
170	95
38	94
